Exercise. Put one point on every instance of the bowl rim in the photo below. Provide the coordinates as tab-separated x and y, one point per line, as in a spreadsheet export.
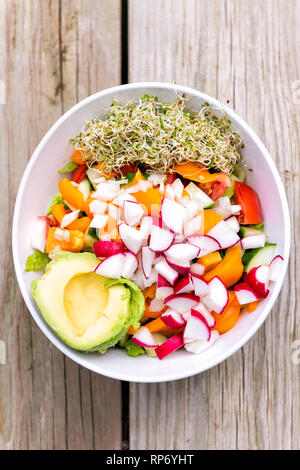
83	361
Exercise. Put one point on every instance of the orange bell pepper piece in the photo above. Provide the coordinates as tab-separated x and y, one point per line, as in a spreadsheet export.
81	224
195	172
86	205
149	292
150	199
211	218
252	306
110	228
230	315
74	244
72	195
78	157
59	212
137	177
103	171
210	261
230	269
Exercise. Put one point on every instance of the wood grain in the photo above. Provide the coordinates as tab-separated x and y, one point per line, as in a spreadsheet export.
246	51
53	53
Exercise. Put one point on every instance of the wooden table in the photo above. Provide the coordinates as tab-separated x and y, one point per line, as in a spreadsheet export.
53	54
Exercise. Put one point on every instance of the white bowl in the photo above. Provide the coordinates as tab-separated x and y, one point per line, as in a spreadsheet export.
39	184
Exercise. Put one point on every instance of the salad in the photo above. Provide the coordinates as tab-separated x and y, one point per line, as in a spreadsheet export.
154	241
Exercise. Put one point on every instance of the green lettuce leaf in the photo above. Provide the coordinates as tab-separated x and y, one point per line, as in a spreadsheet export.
71	166
37	261
133	349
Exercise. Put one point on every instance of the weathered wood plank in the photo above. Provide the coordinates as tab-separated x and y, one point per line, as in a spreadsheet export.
247	52
51	56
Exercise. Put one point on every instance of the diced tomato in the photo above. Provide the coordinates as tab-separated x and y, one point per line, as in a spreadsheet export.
79	173
247	198
219	186
171	177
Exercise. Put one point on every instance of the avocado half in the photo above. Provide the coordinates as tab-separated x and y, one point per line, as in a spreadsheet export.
87	311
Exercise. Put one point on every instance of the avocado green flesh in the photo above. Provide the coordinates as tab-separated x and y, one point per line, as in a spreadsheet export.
79	306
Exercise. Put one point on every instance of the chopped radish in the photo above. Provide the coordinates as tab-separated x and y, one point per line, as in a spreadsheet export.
177	188
172	215
200	346
130	265
138	277
152	279
169	192
160	239
224	235
200	285
133	212
144	338
102	249
119	201
193	226
182	269
223	207
197	268
200	307
156	305
162	282
169	346
172	319
217	298
69	218
147	260
184	285
179	238
206	244
98	207
253	241
196	329
131	237
182	252
275	268
164	292
156	220
62	235
192	208
182	302
112	266
258	279
99	221
235	209
245	294
233	223
167	272
39	233
146	225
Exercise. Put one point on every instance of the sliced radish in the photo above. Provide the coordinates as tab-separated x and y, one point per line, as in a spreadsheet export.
182	302
165	270
193	226
169	346
182	269
69	218
130	265
245	294
119	200
233	223
235	209
131	237
99	221
169	192
276	268
172	319
160	239
138	277
200	285
147	260
196	329
172	215
206	244
144	338
258	279
162	282
146	225
217	298
253	241
102	249
182	252
184	285
197	268
177	188
223	207
156	305
164	292
133	212
200	346
156	220
97	207
39	233
152	279
224	235
192	208
200	308
112	266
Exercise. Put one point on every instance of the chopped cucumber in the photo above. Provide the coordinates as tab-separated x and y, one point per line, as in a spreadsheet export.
197	193
89	240
258	256
85	187
247	230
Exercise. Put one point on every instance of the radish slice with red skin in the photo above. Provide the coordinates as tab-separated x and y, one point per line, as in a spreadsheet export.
119	200
276	268
160	239
146	225
183	270
147	261
133	212
197	268
206	244
182	253
172	319
184	285
144	338
253	241
156	220
169	346
245	294
193	225
164	292
224	235
182	302
69	218
103	249
258	279
162	282
200	307
177	188
200	285
112	266
166	271
233	223
156	305
173	215
197	347
130	265
196	329
217	298
131	237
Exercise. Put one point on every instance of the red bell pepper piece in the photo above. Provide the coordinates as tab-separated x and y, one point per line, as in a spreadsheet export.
79	173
